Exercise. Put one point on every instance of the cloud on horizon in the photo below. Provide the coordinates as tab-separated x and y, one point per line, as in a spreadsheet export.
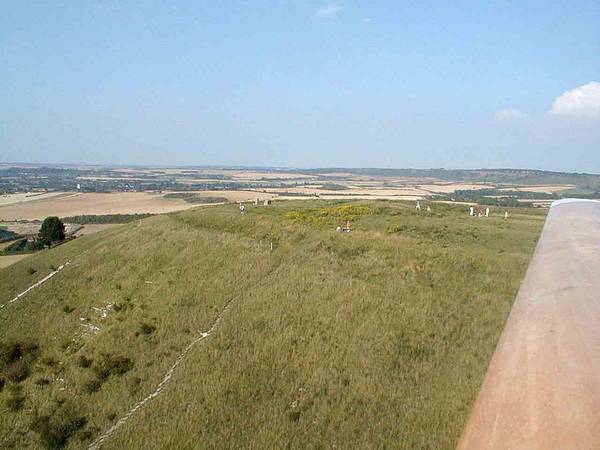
328	10
582	101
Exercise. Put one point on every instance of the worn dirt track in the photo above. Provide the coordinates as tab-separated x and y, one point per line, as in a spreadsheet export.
542	388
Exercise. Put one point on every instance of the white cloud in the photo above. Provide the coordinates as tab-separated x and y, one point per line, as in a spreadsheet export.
328	10
580	101
509	114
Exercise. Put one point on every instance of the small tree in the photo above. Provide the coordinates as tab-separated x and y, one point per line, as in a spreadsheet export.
52	230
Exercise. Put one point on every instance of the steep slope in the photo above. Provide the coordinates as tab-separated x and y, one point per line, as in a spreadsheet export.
379	337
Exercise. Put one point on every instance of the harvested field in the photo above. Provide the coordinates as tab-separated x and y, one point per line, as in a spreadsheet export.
8	260
356	196
92	203
447	188
11	199
22	228
549	189
256	175
407	192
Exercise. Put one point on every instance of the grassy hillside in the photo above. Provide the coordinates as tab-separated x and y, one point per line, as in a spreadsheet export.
375	338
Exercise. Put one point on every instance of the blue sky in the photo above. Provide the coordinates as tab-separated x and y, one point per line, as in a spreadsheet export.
302	83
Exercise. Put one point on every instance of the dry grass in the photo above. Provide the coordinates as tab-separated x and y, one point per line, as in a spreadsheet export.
378	338
94	228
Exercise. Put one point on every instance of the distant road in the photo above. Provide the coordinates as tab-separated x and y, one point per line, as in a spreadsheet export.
542	388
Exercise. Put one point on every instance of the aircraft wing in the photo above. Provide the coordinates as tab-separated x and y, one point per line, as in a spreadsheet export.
542	388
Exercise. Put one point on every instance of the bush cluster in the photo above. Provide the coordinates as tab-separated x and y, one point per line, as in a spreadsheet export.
103	367
56	428
16	359
321	217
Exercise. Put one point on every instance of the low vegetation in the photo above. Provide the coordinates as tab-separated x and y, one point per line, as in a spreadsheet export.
322	217
192	197
333	187
22	246
7	235
498	197
378	338
105	218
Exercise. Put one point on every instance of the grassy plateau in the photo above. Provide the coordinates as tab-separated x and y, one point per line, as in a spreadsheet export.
378	338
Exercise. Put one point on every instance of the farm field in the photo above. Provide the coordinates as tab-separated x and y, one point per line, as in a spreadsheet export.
263	330
92	203
7	260
32	192
11	199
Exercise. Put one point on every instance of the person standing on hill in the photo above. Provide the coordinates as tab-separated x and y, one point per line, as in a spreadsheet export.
487	212
418	206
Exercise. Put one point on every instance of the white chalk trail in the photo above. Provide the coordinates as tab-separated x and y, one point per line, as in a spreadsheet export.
39	283
204	334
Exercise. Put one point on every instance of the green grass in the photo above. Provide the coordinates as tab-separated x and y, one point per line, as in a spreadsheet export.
371	339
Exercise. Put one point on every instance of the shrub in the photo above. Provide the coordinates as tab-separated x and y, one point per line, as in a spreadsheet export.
84	361
68	309
15	359
14	401
134	384
117	307
146	328
108	365
92	385
49	361
17	371
42	381
2	382
55	430
31	271
35	245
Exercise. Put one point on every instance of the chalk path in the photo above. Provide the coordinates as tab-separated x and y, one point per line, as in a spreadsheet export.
39	283
202	335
